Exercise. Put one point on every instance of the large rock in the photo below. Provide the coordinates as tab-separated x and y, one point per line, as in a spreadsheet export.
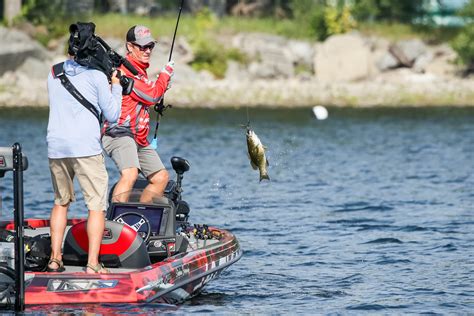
186	74
262	70
443	63
58	46
16	48
267	52
35	68
387	62
255	45
378	49
182	54
23	89
300	53
116	44
422	62
236	71
344	57
407	51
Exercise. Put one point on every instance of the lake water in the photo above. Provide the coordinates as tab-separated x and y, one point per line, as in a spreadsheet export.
369	211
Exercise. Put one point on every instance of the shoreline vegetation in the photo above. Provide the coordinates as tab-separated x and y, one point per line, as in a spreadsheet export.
236	62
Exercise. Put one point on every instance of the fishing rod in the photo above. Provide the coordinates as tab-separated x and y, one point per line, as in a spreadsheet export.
160	107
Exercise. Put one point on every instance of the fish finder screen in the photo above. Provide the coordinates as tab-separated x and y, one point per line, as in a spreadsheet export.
153	214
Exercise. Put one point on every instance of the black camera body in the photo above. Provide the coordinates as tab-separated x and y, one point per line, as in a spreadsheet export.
125	82
92	51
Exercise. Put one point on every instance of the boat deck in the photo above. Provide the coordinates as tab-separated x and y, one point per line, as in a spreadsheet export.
194	244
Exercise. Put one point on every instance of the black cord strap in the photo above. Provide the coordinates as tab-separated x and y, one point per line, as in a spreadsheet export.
58	72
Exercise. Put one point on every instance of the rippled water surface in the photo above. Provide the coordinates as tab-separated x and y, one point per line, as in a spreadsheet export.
368	211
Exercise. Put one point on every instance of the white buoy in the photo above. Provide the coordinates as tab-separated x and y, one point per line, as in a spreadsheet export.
320	112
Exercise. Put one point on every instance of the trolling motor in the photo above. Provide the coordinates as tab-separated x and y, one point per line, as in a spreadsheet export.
180	166
12	159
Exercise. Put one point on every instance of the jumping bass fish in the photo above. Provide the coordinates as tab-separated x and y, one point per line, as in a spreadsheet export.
257	153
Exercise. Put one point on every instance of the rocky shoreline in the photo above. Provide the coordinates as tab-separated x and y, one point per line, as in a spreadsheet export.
345	71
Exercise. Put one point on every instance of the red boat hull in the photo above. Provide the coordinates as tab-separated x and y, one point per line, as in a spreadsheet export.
173	280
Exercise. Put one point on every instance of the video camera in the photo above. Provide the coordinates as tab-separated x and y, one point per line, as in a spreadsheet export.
92	51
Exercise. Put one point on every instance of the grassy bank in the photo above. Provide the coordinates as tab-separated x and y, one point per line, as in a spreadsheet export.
398	31
116	25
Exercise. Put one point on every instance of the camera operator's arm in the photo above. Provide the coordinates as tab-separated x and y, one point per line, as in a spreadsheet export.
110	102
151	92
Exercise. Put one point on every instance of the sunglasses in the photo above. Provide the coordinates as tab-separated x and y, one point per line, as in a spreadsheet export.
144	48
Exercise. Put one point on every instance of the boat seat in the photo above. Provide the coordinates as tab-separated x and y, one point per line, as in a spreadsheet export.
122	247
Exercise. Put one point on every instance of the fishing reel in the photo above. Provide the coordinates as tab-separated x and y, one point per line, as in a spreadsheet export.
160	107
203	232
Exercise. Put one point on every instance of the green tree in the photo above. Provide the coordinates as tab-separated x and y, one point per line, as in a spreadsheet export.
387	10
209	55
43	11
463	43
366	10
311	14
338	19
467	11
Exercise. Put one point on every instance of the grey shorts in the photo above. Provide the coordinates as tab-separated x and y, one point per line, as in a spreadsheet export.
126	153
92	177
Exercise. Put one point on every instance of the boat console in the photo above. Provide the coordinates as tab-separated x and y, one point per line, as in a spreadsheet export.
138	231
154	220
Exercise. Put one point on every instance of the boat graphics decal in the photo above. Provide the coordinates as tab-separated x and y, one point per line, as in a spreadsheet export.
170	281
62	285
203	267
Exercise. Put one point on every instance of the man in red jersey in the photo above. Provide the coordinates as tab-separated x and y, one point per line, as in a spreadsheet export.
126	141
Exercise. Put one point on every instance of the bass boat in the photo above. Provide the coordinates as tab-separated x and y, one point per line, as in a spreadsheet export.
152	252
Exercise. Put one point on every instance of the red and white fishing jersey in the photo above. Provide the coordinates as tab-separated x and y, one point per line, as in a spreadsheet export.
135	117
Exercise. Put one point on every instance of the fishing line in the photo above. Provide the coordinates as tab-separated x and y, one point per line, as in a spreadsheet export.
248	116
160	107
